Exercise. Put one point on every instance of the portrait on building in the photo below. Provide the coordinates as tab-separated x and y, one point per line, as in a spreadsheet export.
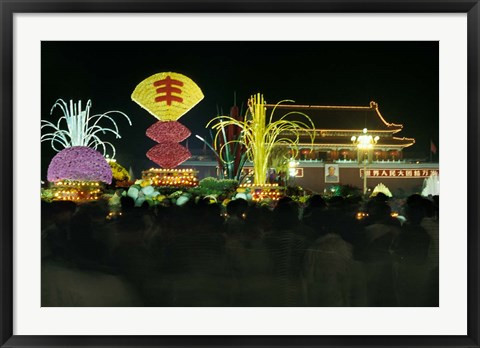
332	173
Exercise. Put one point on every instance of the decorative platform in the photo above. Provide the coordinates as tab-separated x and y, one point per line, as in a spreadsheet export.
77	191
261	192
171	177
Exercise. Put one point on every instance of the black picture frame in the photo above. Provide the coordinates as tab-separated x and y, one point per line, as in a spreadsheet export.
7	10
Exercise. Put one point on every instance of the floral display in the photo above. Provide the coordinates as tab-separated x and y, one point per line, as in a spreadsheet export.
141	194
260	134
214	188
47	195
260	192
80	191
119	173
218	185
78	128
79	163
167	95
168	154
229	150
170	177
171	131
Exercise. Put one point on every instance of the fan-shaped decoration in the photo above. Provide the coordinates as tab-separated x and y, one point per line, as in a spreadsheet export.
79	163
168	131
381	188
167	95
168	154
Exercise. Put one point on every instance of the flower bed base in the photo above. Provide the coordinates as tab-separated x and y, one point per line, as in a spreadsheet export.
77	191
261	192
160	177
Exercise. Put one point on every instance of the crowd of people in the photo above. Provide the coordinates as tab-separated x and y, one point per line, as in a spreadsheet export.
248	254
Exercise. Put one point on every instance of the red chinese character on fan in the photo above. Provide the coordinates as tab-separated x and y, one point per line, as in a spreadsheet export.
167	89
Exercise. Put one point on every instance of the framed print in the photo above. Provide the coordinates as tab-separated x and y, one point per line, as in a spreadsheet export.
116	253
332	174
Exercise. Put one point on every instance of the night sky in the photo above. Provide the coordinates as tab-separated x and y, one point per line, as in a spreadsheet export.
402	77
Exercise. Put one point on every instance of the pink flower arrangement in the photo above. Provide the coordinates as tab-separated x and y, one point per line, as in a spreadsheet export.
168	131
168	154
79	163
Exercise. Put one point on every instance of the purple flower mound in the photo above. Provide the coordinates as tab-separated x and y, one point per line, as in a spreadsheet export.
79	163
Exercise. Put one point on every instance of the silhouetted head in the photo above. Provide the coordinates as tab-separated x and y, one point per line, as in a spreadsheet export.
414	199
380	211
380	197
316	201
237	207
127	204
285	214
428	207
415	209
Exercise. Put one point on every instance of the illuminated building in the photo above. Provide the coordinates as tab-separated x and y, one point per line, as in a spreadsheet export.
333	139
333	145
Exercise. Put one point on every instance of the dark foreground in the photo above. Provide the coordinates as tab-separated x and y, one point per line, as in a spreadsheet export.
194	255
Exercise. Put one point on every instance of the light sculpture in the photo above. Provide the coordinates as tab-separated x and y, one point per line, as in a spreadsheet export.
261	134
78	128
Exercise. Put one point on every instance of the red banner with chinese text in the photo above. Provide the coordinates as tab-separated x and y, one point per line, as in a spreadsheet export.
399	173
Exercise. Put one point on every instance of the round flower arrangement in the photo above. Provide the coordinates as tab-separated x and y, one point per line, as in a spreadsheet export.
79	163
